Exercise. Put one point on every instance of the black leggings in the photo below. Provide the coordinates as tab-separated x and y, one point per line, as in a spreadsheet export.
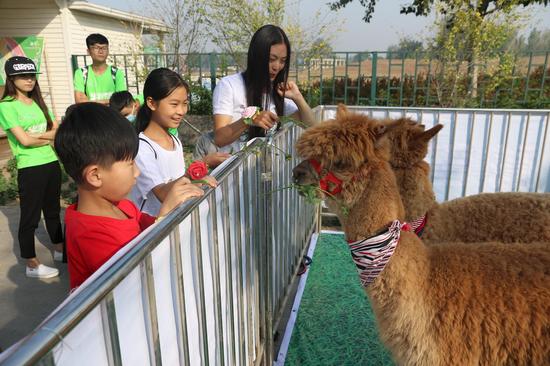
39	190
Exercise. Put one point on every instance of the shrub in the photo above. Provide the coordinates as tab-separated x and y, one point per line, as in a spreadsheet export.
8	182
201	100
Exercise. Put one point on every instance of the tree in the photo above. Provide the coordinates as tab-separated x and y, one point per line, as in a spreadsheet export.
407	47
231	24
424	7
186	18
320	48
470	31
537	40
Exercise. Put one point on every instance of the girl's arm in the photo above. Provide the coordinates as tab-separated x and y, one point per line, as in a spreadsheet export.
26	139
48	135
304	113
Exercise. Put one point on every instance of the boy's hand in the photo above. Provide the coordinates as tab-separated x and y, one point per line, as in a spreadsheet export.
216	158
180	192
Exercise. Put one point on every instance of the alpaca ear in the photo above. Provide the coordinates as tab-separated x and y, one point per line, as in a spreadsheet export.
429	134
381	129
341	111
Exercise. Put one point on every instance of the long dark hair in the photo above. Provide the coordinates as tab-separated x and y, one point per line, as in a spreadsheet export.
35	94
256	75
160	83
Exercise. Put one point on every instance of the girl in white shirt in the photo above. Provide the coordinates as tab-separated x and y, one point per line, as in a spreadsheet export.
263	84
160	156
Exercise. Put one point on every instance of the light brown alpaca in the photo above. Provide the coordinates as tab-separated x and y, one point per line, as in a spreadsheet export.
502	217
452	304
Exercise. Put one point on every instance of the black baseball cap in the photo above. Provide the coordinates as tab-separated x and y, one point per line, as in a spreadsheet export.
19	65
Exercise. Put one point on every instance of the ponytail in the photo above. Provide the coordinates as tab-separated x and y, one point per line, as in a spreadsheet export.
143	118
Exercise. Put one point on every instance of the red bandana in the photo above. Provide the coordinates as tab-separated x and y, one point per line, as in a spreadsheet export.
419	224
371	255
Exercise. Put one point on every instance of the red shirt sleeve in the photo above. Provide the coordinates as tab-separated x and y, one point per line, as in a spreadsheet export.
145	220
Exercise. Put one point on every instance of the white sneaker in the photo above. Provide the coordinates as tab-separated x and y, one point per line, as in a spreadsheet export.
42	271
57	256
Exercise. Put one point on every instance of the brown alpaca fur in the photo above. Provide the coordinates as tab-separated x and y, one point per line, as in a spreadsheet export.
502	217
444	304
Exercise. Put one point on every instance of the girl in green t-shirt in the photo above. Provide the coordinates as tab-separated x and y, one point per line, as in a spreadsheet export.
30	128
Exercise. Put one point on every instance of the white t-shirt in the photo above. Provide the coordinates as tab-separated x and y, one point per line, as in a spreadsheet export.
229	98
157	166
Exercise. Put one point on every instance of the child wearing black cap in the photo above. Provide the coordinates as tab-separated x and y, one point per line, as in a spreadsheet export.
30	128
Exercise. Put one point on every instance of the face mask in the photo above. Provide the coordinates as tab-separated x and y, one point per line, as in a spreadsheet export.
132	117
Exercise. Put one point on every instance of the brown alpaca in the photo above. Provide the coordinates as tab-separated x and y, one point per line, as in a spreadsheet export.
452	304
502	217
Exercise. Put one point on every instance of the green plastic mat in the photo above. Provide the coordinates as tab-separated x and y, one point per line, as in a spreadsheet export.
335	324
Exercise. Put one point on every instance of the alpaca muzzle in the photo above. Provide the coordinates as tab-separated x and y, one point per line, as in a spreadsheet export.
303	174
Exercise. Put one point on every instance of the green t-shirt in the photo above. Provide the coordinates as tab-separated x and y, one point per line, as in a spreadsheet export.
31	119
140	99
99	87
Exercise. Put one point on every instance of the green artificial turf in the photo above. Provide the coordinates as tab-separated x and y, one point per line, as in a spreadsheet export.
335	324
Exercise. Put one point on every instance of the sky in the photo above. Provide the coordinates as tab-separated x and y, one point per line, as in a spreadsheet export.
387	26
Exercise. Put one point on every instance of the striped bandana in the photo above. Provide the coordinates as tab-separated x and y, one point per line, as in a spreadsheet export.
418	225
371	255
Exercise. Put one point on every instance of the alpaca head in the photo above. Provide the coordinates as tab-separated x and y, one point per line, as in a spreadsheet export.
409	142
342	148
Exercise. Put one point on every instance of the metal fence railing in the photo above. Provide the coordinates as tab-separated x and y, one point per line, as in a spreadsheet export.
479	150
205	286
208	284
368	78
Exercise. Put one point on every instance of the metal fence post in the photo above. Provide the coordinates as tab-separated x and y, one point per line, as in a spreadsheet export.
267	242
373	79
213	67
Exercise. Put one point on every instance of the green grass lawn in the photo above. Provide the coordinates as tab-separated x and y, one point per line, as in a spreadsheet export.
335	324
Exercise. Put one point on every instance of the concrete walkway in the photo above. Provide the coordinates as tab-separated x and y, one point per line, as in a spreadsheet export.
25	302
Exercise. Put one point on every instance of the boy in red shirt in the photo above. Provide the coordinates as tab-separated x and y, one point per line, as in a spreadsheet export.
97	147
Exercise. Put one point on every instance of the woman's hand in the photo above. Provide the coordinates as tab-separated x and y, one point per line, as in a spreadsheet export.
216	158
265	120
291	90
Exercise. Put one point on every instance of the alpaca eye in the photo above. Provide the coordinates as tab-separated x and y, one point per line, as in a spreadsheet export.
340	165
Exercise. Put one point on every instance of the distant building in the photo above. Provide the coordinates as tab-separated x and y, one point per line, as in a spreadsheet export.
64	25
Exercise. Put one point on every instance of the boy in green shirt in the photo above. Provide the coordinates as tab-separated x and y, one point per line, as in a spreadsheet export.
97	82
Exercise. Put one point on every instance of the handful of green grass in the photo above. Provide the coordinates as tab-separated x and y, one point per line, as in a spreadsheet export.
309	192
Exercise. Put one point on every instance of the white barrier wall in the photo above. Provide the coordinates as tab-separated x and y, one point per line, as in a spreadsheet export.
479	150
205	286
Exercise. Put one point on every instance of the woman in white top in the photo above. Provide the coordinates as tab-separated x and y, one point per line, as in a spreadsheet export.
263	84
